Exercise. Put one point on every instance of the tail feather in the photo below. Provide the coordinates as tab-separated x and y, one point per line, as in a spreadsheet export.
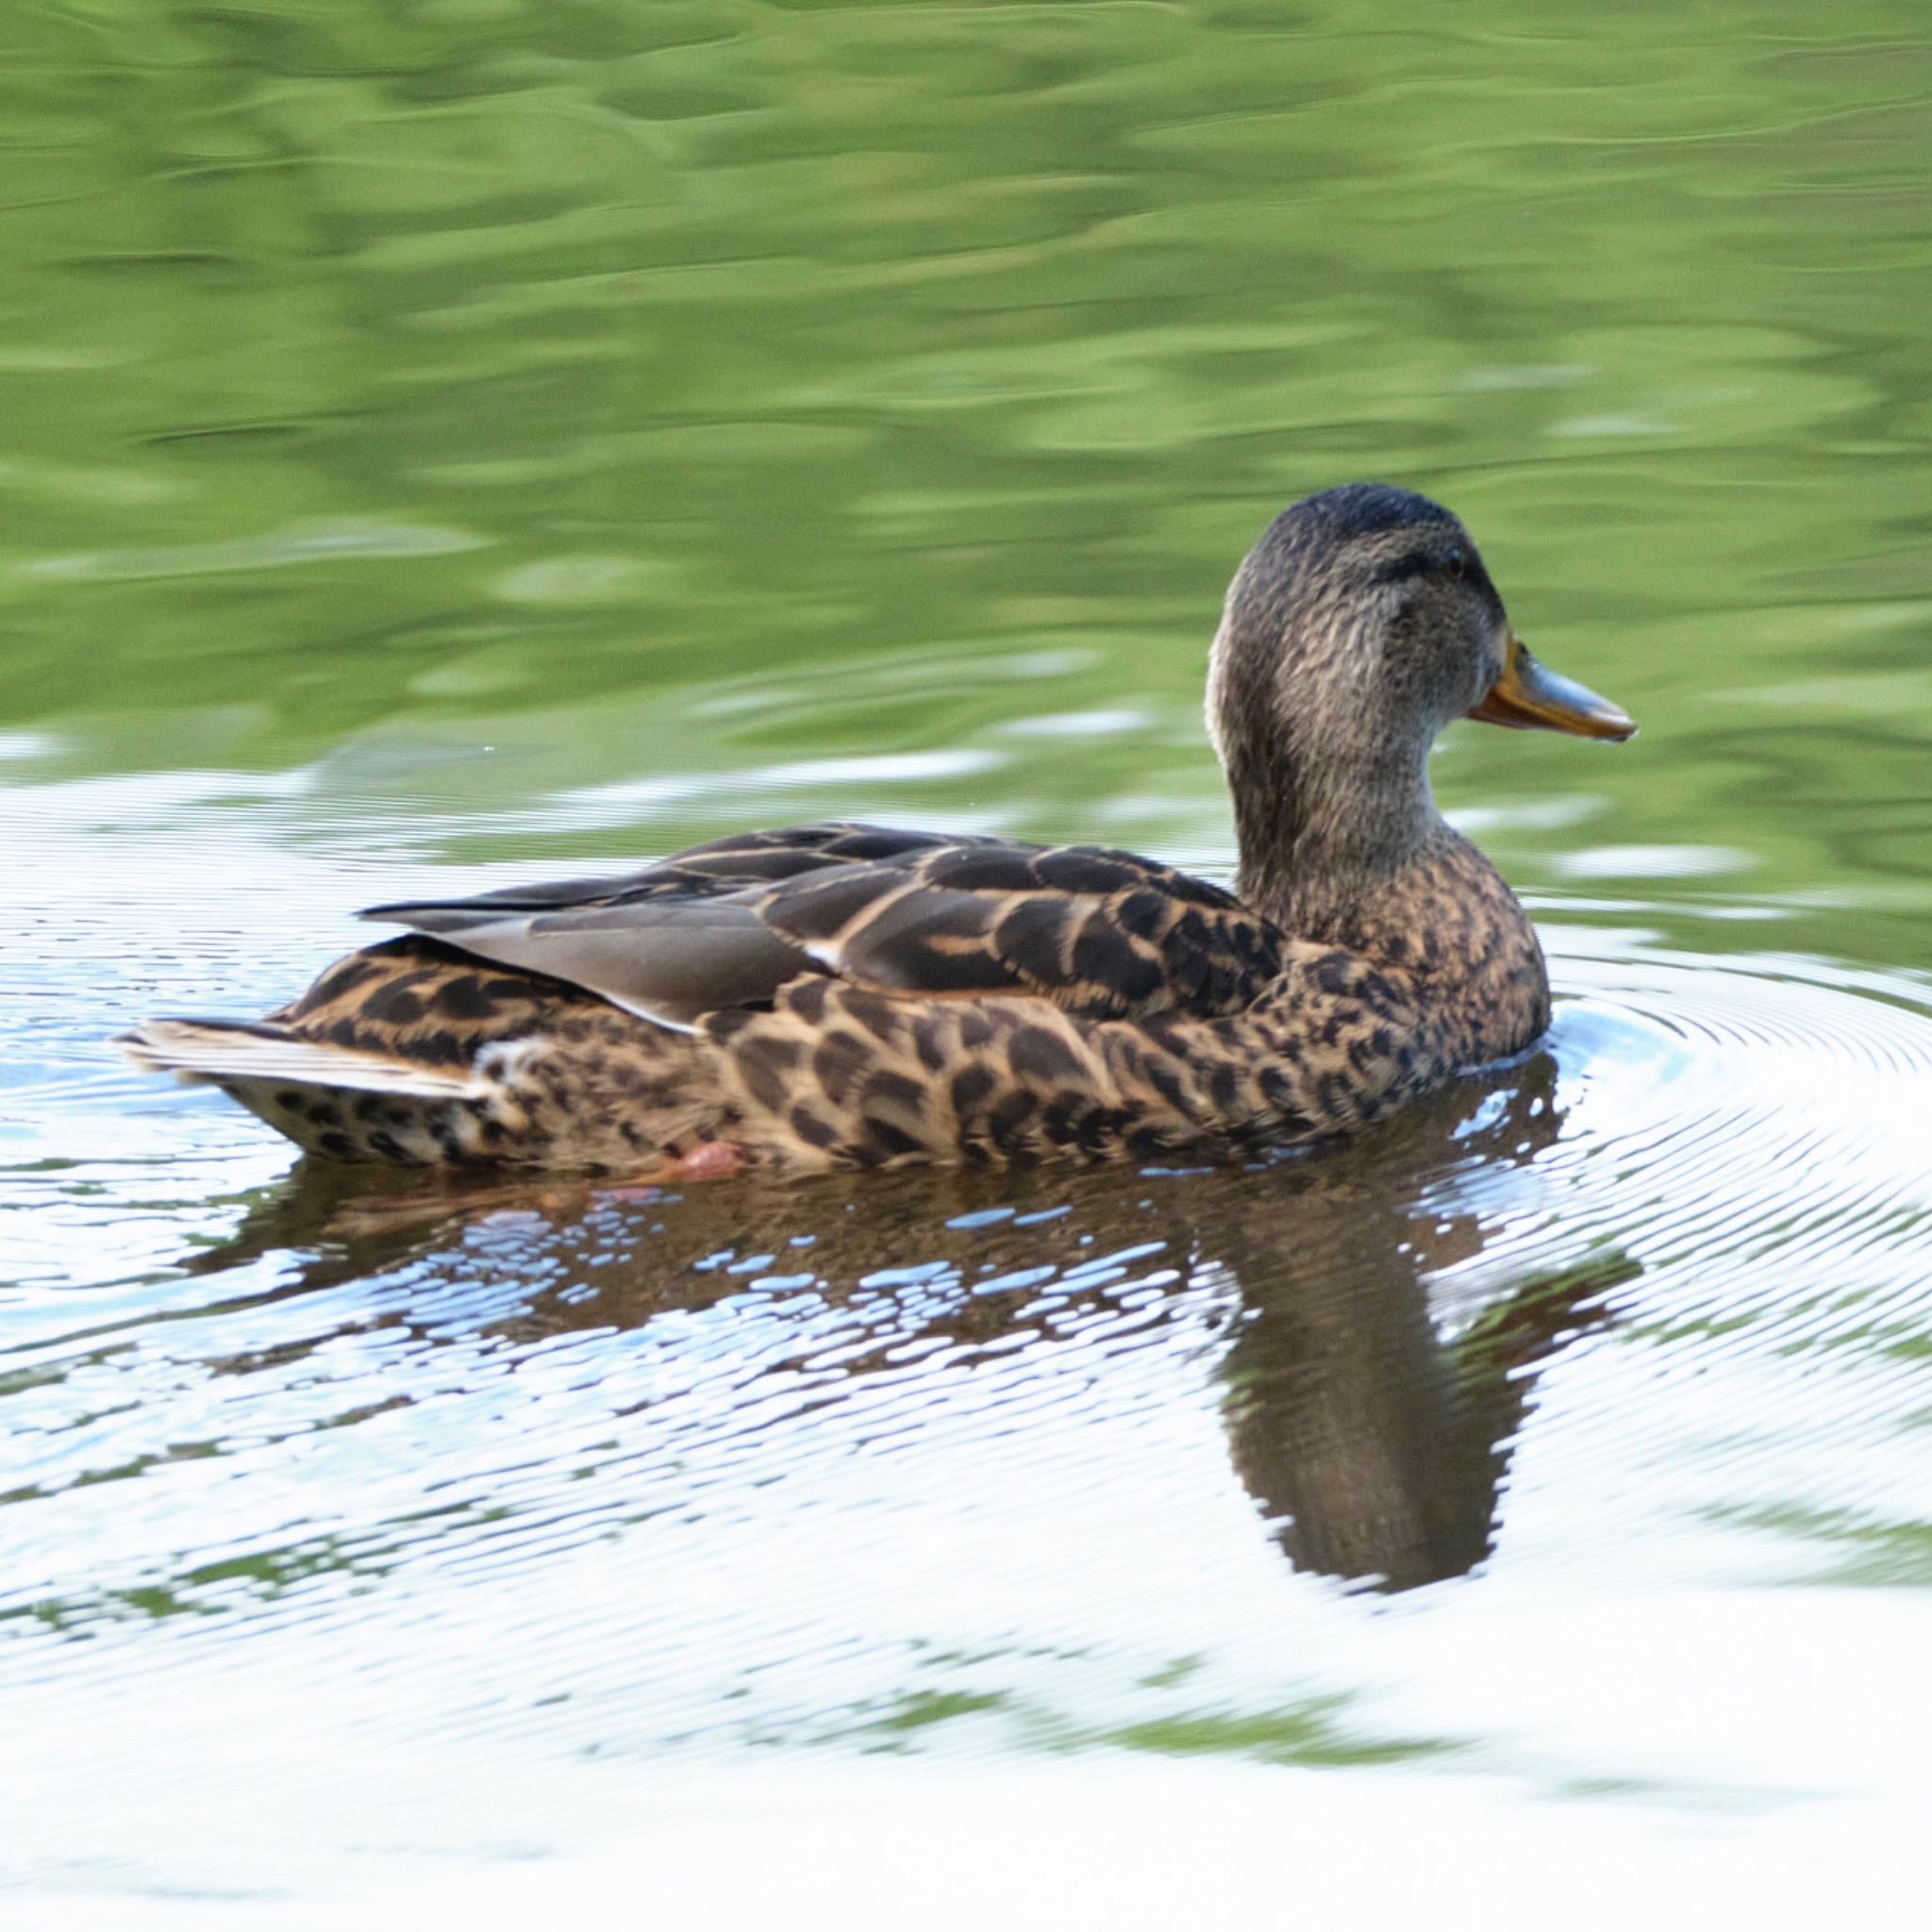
243	1050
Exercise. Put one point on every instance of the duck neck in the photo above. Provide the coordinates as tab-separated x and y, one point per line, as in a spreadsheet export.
1321	839
1330	789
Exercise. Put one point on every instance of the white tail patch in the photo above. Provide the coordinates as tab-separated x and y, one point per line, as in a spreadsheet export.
209	1050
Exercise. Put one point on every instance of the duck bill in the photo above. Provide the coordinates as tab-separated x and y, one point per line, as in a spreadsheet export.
1531	697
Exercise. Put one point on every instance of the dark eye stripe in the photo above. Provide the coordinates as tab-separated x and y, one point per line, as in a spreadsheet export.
1452	563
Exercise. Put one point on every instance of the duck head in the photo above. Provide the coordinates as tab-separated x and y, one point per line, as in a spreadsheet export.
1361	625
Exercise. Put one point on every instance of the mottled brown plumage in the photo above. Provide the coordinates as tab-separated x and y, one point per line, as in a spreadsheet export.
846	994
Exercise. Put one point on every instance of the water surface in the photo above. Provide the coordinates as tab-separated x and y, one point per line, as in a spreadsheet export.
473	442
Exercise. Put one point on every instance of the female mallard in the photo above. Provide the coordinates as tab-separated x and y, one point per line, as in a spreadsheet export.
843	994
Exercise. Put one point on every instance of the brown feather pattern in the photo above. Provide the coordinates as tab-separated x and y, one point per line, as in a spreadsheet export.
1132	1010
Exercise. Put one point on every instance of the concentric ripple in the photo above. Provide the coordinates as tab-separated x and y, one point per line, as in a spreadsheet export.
1739	1114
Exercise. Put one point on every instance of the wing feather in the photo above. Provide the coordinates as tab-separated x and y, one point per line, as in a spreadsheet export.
727	924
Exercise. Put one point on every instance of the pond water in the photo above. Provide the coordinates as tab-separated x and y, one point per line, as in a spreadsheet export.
481	439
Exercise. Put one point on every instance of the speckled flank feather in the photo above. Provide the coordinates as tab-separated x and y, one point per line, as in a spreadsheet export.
1319	1042
846	994
549	1075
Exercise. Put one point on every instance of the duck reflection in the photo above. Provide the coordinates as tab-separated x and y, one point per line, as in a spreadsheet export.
1373	1443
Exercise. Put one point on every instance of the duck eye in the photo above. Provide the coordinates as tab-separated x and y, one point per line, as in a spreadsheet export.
1455	564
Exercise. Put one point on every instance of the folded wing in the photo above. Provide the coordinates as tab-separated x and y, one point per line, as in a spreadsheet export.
726	924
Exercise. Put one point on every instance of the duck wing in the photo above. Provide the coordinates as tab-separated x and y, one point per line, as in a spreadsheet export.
1095	931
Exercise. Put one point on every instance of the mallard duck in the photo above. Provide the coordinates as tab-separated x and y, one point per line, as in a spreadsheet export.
848	994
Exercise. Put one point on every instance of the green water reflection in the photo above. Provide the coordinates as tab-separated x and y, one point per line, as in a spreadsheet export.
572	379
